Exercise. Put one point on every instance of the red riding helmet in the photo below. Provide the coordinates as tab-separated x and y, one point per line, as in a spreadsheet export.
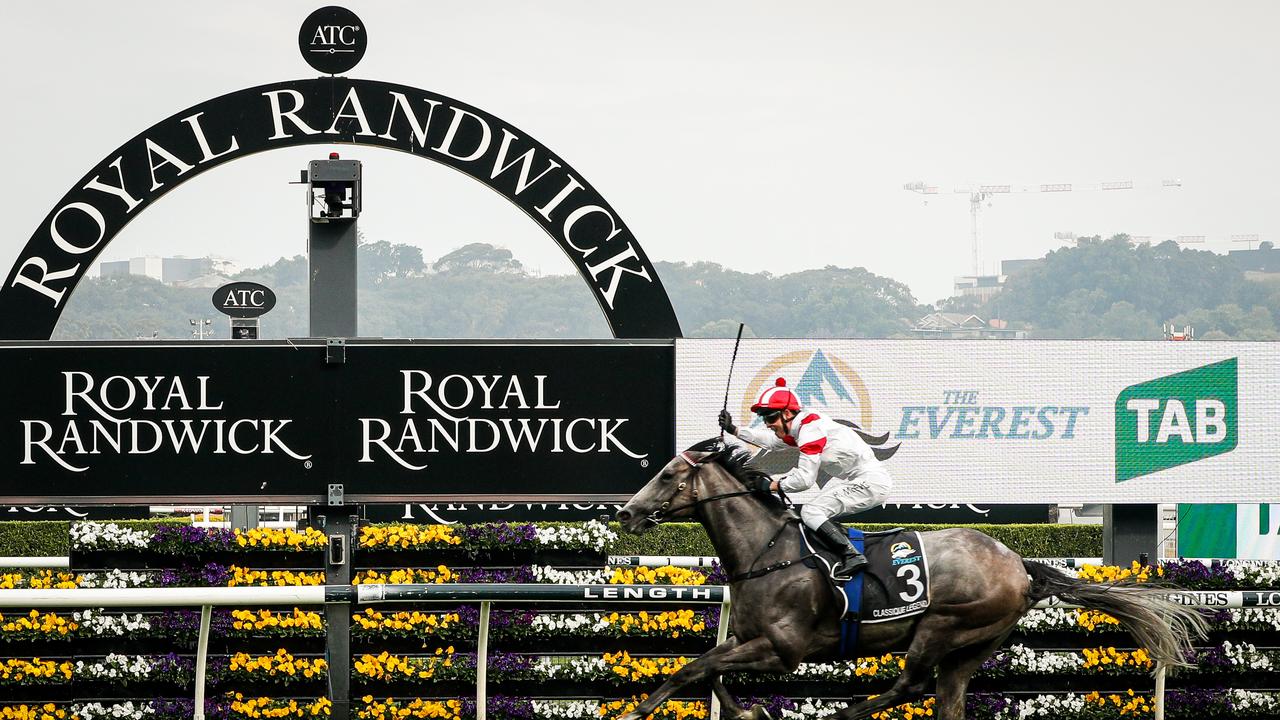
778	397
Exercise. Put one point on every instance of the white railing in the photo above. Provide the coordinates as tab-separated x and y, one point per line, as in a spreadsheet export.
709	560
483	593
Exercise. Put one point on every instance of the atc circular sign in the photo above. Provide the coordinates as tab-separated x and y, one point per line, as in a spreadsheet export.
244	299
332	40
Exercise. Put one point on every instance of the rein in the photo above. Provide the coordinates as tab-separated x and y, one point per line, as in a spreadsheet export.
657	518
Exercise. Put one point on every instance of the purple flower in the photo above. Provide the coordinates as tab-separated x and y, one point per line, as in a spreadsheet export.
185	623
513	666
510	618
522	574
775	704
190	540
195	574
1195	575
986	705
500	707
499	535
1198	702
184	709
1212	659
716	575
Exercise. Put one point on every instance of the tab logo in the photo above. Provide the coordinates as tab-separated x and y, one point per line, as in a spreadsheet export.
1176	419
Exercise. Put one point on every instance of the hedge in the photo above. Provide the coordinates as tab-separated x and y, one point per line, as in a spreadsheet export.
50	537
43	538
1043	540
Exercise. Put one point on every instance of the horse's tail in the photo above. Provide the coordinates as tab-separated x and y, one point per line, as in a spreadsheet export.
1163	627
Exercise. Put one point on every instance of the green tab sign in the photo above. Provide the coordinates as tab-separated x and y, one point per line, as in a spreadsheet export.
1176	419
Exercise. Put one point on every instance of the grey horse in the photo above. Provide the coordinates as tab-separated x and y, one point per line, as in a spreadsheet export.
979	590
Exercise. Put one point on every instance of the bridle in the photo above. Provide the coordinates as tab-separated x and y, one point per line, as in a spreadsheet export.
657	517
663	513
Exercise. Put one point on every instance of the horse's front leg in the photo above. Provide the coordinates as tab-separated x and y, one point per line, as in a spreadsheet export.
730	708
755	655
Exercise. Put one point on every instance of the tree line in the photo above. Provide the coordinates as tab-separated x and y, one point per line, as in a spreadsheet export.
1110	288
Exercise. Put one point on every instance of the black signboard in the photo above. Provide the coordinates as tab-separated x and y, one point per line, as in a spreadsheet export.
332	40
88	423
330	110
64	512
462	512
244	299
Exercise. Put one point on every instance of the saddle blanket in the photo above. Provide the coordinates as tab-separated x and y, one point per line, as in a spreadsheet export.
896	563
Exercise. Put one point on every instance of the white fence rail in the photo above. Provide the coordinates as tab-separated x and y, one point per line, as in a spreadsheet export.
485	594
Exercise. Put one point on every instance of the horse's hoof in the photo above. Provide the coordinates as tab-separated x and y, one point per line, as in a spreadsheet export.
758	712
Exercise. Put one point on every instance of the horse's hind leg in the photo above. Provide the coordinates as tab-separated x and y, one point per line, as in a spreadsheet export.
954	673
756	655
927	649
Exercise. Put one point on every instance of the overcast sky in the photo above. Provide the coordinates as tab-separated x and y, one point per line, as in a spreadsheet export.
759	135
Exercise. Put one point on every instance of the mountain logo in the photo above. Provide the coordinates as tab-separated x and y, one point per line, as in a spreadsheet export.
901	550
1176	419
820	381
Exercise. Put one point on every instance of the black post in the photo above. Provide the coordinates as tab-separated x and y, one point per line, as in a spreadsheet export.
1129	532
339	526
334	205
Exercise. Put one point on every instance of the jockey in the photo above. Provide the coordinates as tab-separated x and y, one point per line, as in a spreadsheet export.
858	480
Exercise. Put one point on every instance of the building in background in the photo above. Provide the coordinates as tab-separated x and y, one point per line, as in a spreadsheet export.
984	287
178	271
1260	264
963	326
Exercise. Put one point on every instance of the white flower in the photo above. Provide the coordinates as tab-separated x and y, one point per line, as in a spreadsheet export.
116	578
127	710
594	534
571	668
89	535
562	623
1252	701
548	574
94	621
567	709
1025	660
1245	655
811	708
115	666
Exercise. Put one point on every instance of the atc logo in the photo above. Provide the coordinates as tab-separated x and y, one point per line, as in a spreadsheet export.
901	550
332	40
821	382
1176	419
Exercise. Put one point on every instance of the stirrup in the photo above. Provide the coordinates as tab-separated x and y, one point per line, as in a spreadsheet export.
849	567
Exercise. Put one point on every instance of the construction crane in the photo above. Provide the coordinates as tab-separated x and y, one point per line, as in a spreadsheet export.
981	193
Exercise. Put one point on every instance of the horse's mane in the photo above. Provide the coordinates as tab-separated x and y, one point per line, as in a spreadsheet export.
737	462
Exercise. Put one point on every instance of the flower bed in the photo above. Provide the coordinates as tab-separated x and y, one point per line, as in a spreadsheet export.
1125	705
390	640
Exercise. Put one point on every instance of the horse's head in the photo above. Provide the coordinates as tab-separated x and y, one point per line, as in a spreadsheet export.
671	493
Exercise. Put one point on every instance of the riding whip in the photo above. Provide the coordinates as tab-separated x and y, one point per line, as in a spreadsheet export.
729	379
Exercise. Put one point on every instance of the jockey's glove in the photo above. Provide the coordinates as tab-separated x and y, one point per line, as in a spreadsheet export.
726	423
760	484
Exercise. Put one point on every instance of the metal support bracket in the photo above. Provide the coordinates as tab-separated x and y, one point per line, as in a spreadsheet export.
336	494
335	351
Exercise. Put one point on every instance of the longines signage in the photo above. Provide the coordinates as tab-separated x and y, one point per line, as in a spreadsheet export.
89	423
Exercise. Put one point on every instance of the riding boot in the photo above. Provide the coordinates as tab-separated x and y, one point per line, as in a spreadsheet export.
837	538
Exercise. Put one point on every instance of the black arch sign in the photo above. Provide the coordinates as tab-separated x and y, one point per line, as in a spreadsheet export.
335	110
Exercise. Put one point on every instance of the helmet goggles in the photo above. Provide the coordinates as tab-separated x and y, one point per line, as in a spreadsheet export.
768	415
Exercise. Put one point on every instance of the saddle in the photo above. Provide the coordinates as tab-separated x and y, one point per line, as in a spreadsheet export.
896	563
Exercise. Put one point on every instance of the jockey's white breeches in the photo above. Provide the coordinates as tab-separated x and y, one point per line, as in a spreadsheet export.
842	496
